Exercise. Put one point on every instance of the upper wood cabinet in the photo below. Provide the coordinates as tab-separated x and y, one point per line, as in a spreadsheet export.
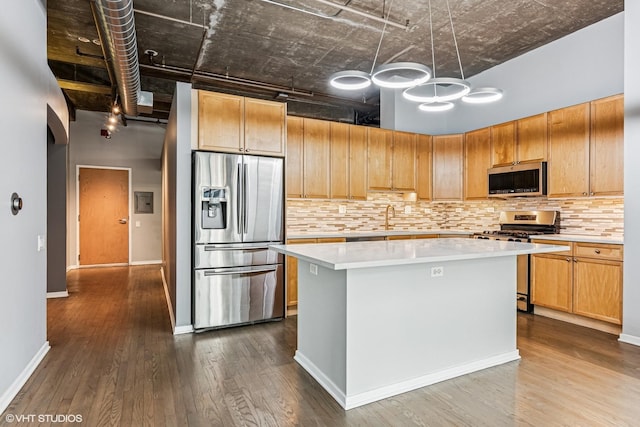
339	160
316	158
358	162
403	167
447	167
607	146
379	158
220	121
477	159
264	127
295	137
532	139
423	184
519	141
392	160
236	124
503	144
568	170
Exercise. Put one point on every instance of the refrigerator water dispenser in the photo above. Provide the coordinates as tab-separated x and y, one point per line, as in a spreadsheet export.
214	208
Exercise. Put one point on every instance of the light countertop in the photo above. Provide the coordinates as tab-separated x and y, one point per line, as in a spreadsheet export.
342	256
375	233
580	238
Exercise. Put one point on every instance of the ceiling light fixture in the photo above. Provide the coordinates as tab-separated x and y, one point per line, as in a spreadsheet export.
437	93
398	75
436	106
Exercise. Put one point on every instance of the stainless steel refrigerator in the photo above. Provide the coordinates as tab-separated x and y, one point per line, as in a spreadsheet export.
237	212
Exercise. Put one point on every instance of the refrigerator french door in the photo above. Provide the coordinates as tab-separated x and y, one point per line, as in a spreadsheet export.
238	211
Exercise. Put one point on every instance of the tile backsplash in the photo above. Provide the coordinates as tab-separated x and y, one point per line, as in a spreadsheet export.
597	216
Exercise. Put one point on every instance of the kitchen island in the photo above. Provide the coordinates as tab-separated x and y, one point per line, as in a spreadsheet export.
376	319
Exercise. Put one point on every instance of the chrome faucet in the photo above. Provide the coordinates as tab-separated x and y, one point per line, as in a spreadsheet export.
386	215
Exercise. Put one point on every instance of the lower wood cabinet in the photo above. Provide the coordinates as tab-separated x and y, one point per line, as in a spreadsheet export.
586	280
292	267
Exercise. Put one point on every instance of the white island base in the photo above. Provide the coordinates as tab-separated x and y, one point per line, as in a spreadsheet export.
366	334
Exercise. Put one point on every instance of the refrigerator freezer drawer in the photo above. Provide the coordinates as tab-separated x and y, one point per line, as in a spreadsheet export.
225	296
216	256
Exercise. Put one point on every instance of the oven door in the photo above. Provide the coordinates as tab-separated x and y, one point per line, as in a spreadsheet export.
232	296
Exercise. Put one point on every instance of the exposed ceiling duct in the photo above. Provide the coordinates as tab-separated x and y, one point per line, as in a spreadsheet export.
116	27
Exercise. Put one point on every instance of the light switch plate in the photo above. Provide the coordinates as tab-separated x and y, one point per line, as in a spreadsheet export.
313	269
137	224
41	242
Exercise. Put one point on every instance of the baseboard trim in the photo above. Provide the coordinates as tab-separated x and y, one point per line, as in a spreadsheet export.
117	264
150	262
168	298
59	294
71	267
629	339
179	330
355	400
19	382
599	325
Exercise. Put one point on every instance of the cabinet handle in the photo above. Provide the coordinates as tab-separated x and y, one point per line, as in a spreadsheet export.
591	193
584	194
246	151
575	260
568	259
239	149
597	251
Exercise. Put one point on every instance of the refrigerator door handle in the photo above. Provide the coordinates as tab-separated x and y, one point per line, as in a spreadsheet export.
244	192
239	200
211	248
227	272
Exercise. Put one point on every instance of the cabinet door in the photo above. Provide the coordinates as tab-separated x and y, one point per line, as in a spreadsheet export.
607	146
294	156
317	135
424	148
379	158
447	167
597	289
358	162
403	169
568	170
292	273
264	127
477	159
532	139
503	144
220	122
551	278
339	160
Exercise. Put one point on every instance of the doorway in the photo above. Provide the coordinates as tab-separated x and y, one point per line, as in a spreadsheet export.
103	216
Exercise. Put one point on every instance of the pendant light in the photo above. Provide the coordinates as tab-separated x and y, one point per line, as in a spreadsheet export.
483	95
398	75
443	89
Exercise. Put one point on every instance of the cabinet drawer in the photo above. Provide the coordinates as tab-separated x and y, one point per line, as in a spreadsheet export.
556	242
598	251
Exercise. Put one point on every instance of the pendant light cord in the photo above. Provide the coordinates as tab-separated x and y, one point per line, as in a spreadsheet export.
455	41
375	58
433	53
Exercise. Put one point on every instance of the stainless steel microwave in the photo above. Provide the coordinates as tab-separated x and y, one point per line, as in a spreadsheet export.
524	179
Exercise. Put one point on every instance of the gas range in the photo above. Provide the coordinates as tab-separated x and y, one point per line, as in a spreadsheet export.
520	226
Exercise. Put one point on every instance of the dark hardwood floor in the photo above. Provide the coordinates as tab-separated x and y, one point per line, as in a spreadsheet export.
114	361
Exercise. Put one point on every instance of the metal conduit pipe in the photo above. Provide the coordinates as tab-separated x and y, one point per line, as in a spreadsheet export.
116	26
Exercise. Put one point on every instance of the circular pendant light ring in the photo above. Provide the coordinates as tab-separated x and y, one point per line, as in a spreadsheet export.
401	75
440	89
350	80
436	106
483	95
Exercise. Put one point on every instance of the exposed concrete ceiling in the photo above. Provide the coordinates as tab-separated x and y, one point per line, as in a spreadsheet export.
264	48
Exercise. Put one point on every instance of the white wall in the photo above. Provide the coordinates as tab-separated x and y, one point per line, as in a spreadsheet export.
23	164
176	165
137	146
582	66
631	289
